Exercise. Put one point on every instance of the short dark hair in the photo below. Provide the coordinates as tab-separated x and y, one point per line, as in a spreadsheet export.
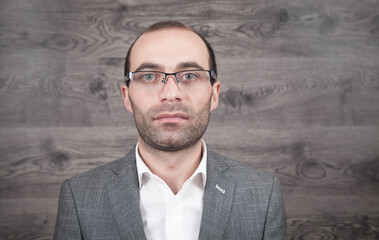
166	25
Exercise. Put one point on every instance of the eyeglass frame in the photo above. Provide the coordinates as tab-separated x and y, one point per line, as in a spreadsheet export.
212	75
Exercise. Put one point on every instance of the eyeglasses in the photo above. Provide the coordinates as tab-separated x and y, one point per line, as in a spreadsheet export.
186	80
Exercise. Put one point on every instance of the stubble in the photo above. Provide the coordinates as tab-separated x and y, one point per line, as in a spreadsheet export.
171	137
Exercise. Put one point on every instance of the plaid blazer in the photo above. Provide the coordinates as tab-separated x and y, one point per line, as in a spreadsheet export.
103	203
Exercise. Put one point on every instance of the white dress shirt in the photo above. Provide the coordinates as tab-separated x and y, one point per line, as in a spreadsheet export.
167	216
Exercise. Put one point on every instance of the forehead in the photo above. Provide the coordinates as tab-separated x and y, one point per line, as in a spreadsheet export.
169	48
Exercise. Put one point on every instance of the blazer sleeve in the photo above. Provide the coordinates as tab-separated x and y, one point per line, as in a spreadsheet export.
67	225
275	224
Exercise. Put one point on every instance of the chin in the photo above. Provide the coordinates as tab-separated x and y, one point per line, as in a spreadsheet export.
173	144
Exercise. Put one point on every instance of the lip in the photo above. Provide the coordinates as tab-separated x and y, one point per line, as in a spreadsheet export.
170	117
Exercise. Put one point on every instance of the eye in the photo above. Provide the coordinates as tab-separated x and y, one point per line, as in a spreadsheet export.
148	77
189	76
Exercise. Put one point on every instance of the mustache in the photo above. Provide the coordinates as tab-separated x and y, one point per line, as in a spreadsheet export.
171	107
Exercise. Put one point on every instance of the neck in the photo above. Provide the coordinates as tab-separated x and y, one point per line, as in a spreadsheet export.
172	167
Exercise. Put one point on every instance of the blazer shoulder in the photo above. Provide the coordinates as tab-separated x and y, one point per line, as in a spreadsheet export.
241	172
103	173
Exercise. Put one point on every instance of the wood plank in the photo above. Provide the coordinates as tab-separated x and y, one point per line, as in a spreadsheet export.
302	164
322	29
334	227
270	92
28	218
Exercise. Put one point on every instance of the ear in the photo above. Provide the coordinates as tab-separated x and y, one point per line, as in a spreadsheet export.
125	97
215	92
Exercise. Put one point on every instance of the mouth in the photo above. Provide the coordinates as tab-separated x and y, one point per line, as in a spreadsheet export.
171	117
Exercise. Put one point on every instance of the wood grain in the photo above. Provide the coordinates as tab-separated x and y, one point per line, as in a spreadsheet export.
360	227
299	99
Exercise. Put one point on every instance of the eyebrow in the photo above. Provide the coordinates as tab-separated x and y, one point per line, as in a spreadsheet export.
189	65
148	66
183	65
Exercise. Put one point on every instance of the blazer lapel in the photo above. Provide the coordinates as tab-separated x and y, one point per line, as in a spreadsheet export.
218	197
124	199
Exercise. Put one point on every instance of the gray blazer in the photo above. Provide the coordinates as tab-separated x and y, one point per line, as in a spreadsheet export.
103	203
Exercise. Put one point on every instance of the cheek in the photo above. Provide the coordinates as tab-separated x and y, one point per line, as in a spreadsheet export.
142	100
201	99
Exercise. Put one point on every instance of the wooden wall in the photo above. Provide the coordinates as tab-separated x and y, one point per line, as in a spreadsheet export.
299	99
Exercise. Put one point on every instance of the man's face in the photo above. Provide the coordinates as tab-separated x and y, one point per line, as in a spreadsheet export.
170	118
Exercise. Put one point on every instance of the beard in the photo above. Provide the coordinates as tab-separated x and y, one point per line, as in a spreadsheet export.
171	137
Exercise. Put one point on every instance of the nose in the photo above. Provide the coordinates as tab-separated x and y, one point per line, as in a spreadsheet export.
170	90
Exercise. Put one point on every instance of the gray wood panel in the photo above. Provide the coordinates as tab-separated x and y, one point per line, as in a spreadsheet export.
299	99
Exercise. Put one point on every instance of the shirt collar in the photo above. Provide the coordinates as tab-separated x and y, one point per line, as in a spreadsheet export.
142	169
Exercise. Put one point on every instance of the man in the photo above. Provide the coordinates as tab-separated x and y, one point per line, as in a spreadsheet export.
171	185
